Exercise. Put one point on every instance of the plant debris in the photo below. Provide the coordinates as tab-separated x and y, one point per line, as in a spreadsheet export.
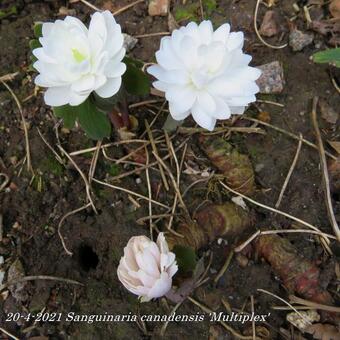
234	166
213	221
298	274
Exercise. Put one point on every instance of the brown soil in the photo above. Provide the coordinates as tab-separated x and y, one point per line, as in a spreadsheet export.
31	210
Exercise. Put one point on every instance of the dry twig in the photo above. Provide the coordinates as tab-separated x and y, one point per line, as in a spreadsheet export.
149	190
290	134
258	33
8	77
295	299
224	324
292	167
284	301
325	175
24	125
4	184
155	151
37	277
276	211
87	184
8	334
58	158
281	231
174	183
61	223
224	267
88	4
123	9
131	193
151	35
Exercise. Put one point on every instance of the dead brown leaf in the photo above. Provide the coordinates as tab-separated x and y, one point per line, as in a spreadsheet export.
334	8
323	331
264	116
325	27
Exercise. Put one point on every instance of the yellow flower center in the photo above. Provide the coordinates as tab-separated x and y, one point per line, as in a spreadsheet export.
78	56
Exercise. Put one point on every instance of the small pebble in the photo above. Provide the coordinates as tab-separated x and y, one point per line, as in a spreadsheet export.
129	42
298	40
271	79
269	25
159	7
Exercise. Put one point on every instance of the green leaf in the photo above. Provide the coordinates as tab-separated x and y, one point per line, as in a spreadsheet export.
134	79
95	123
330	56
67	113
185	257
135	62
34	43
105	104
187	12
37	29
209	6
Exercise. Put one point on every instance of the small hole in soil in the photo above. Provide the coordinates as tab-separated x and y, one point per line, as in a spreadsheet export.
88	259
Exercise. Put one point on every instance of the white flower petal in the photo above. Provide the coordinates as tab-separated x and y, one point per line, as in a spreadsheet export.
222	33
57	96
84	84
40	54
161	286
170	77
161	86
222	110
206	31
110	88
147	263
206	102
166	56
97	32
237	110
240	101
114	70
162	244
202	118
47	28
77	98
75	23
145	279
235	40
183	96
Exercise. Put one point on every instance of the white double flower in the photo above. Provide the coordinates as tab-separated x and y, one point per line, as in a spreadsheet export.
147	267
75	61
205	73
